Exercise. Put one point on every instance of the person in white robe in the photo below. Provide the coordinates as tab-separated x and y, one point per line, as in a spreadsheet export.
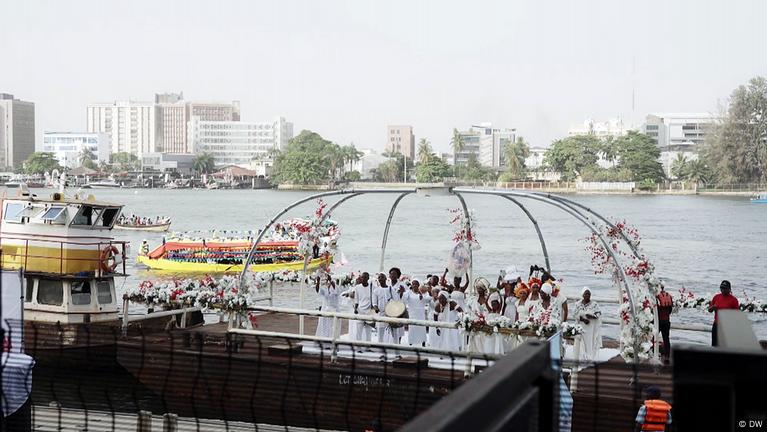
398	289
448	311
433	337
363	305
588	315
558	298
478	309
329	295
416	300
382	294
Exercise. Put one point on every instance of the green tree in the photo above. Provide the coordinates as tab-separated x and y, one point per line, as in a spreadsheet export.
87	158
638	154
352	176
697	171
475	171
307	159
40	163
124	161
679	166
204	163
736	148
425	151
433	170
351	155
572	155
516	153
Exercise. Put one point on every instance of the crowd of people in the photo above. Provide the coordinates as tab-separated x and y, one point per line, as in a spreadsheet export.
134	220
536	298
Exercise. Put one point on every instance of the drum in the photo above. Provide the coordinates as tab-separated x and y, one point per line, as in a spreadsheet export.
395	309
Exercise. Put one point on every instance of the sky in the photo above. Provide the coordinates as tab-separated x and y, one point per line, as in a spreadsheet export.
347	69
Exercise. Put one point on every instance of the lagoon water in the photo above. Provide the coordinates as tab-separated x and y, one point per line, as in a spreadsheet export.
694	241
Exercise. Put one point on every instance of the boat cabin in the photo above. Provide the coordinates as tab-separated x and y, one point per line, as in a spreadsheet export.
69	260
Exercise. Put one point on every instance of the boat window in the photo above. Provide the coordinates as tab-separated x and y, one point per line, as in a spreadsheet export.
85	216
50	292
104	290
12	212
52	213
81	293
29	289
108	216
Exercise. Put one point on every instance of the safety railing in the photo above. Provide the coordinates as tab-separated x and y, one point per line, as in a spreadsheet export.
106	250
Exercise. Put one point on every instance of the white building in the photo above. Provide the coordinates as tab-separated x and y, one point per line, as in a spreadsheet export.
130	125
678	133
535	160
17	131
238	143
369	161
173	114
68	147
611	128
488	144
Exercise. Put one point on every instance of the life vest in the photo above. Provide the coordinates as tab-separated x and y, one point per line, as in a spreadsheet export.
665	300
656	415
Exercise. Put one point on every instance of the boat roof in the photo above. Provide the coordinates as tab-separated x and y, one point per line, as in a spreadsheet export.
89	200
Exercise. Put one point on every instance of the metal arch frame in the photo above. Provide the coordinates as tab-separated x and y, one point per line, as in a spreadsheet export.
385	238
537	230
578	216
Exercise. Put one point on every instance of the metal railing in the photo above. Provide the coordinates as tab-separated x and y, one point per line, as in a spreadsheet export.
98	263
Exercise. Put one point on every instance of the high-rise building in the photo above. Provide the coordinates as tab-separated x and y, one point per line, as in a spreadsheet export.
17	131
400	139
129	124
486	143
173	114
68	147
237	143
678	134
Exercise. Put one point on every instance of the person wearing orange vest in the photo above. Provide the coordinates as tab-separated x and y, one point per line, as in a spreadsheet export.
654	414
665	306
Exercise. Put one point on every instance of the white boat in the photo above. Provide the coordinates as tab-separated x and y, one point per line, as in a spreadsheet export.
14	184
161	227
103	184
760	198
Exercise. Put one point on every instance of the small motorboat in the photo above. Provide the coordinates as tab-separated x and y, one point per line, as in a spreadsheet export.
760	198
103	184
160	227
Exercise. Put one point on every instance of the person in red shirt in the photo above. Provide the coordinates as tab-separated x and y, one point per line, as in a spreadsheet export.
724	300
665	306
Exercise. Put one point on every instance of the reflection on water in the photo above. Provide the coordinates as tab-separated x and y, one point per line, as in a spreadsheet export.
694	241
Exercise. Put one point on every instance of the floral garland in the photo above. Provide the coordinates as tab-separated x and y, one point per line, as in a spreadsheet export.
206	293
638	326
316	231
688	300
490	325
465	229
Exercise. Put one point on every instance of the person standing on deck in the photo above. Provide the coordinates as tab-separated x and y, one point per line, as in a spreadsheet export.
723	300
665	306
416	300
587	314
329	294
447	311
363	298
558	298
382	294
433	337
399	289
654	414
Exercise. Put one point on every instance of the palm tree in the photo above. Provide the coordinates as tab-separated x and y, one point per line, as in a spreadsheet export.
697	171
457	141
204	163
87	157
425	151
516	153
679	166
351	155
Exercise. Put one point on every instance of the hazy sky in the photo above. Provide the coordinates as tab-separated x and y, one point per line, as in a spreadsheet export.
346	69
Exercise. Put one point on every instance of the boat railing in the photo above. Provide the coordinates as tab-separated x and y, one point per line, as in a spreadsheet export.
100	267
127	319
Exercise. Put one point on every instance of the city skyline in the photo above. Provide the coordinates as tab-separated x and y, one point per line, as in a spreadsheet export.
347	70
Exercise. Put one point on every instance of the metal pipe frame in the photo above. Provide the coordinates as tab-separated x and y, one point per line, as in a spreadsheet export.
385	238
578	216
537	230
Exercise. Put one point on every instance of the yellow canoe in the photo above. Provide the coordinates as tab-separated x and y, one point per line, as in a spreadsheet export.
171	266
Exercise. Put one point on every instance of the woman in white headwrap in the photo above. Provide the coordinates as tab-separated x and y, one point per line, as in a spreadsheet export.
587	314
433	338
447	311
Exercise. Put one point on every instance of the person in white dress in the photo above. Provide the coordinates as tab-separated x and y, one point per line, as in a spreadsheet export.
382	294
523	309
534	298
448	311
416	300
546	312
398	289
477	304
363	298
558	298
433	337
329	295
588	313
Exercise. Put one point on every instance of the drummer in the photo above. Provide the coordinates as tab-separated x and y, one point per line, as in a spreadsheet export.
398	291
382	295
363	296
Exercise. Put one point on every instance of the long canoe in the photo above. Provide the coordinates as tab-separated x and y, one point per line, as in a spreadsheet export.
154	227
174	266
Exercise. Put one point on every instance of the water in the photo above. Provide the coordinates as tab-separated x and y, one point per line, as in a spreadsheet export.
694	241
